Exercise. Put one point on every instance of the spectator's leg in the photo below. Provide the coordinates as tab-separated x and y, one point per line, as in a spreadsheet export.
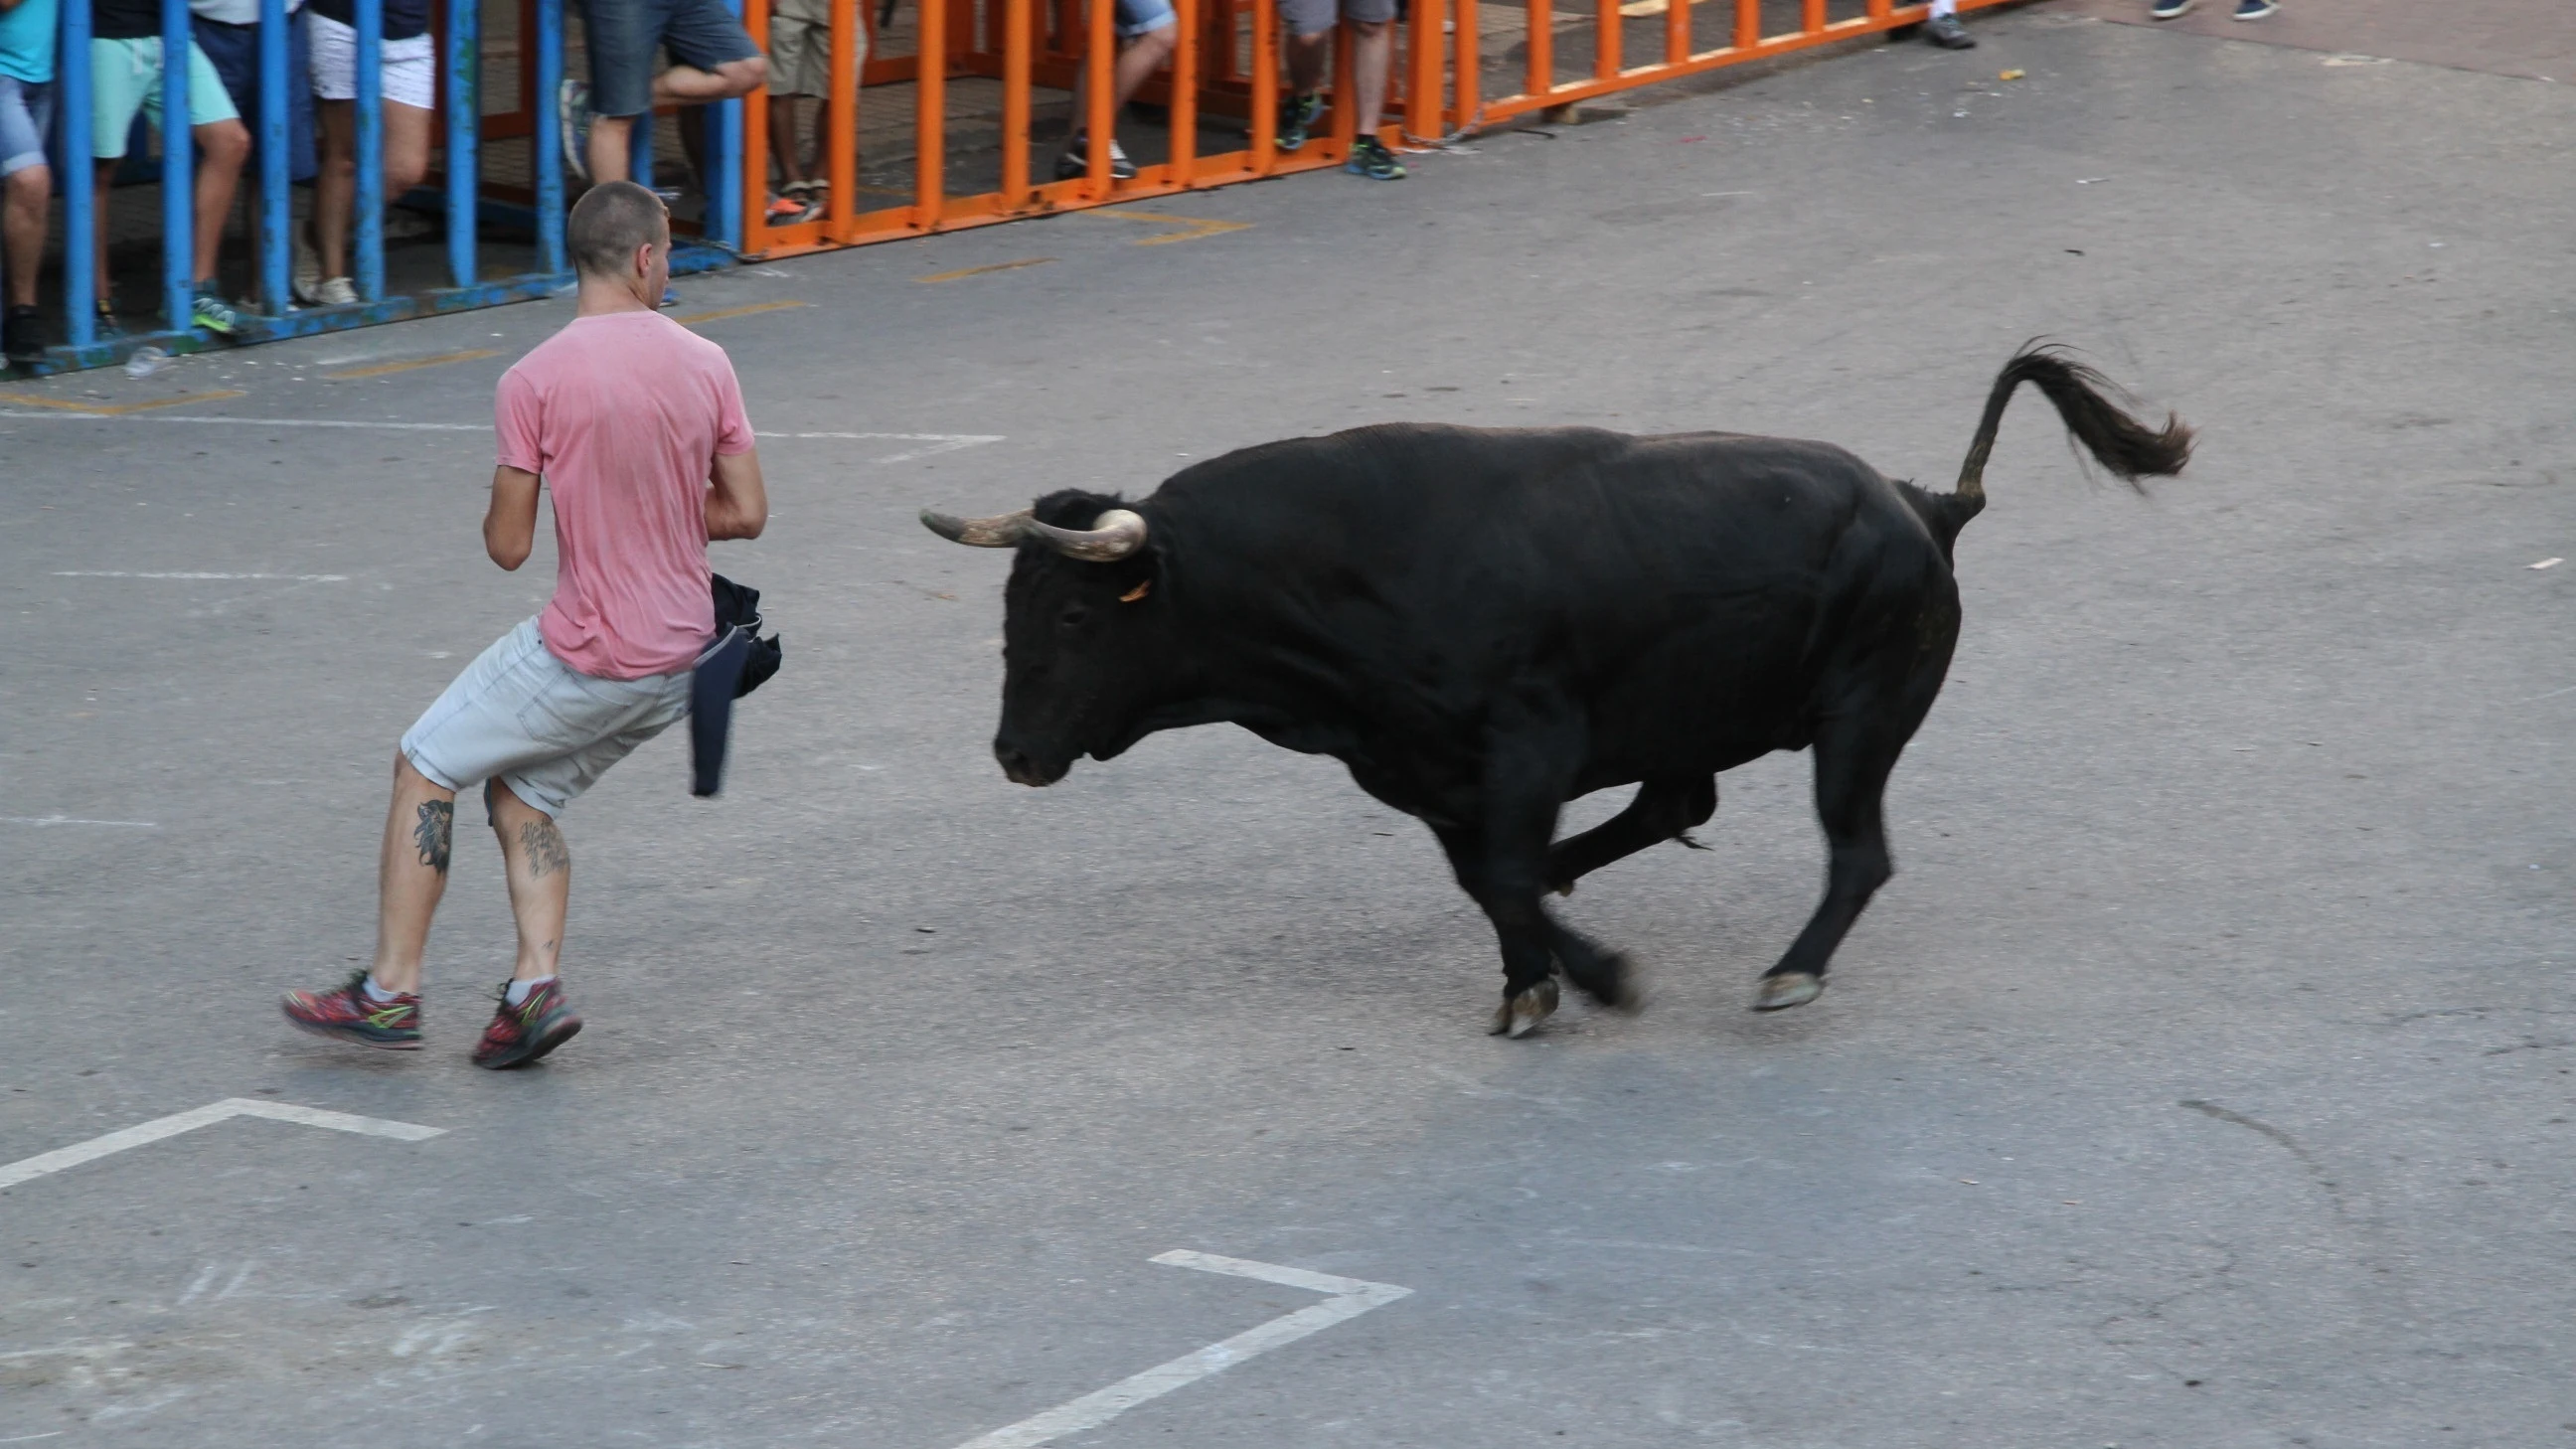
411	874
335	186
223	147
407	133
1372	55
105	194
782	139
611	145
1307	56
22	229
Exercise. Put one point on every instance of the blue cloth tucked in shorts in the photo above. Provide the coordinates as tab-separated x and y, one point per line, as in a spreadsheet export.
702	34
26	119
234	49
548	731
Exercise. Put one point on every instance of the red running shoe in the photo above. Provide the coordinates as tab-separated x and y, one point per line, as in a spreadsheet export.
520	1034
348	1013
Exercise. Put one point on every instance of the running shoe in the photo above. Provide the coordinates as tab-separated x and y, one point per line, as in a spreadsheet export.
1370	158
334	292
108	326
2255	9
789	209
22	335
573	116
520	1034
349	1013
1297	118
1946	32
214	314
1075	163
2170	9
307	277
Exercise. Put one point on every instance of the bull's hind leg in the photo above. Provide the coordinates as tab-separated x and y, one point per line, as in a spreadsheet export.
1853	761
1662	810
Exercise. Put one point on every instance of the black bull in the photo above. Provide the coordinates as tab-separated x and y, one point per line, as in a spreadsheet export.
1483	624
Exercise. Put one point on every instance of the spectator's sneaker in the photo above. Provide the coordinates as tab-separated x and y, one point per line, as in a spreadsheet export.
214	314
789	209
1370	158
520	1034
670	299
334	292
573	116
348	1013
1297	118
1075	163
2254	9
307	276
108	326
1946	32
2170	9
22	335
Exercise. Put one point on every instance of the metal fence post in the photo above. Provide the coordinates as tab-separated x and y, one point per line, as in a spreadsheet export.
84	204
550	139
276	196
369	84
464	134
178	169
722	221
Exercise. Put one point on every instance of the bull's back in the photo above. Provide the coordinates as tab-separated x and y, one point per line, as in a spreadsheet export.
1680	587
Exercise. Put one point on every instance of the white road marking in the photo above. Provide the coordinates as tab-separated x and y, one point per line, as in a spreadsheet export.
1351	1298
941	442
67	820
30	1168
128	574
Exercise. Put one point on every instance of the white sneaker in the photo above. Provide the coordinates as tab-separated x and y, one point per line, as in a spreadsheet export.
335	292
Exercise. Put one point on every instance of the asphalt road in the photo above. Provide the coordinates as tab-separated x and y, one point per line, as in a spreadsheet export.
2203	1079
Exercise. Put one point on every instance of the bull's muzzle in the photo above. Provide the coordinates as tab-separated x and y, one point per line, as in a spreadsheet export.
1025	768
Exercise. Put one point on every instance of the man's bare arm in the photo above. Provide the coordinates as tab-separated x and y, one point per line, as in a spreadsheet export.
737	501
510	526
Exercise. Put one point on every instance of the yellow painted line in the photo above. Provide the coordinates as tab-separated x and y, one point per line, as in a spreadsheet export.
106	410
692	319
979	271
387	369
1191	227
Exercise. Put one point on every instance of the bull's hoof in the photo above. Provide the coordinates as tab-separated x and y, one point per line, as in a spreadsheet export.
1520	1014
1795	988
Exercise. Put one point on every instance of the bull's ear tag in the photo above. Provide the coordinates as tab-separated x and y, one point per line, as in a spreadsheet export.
1138	592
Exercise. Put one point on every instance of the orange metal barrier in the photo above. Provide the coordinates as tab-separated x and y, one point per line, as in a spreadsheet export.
1225	68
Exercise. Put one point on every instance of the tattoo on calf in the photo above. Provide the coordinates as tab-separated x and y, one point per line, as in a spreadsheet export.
544	846
435	830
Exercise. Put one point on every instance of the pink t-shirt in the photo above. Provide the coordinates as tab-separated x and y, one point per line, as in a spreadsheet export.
624	416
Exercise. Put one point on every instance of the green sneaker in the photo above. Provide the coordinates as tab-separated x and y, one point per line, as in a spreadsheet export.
1297	117
213	313
1370	158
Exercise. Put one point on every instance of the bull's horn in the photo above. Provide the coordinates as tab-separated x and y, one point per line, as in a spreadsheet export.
1114	535
1001	531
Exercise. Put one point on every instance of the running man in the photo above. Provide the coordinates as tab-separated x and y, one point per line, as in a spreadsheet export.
637	427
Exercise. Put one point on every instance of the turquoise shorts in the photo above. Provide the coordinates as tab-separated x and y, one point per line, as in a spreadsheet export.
125	76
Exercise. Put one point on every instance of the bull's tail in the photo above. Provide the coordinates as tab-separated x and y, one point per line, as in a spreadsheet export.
2121	443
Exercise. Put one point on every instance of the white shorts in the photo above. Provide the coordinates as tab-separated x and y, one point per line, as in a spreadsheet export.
409	73
548	731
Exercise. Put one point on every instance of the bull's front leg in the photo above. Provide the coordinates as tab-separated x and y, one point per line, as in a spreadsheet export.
1504	866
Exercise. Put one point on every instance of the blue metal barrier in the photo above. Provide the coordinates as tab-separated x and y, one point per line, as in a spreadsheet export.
271	312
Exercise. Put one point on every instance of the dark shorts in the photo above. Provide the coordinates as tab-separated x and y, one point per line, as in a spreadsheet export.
622	34
234	49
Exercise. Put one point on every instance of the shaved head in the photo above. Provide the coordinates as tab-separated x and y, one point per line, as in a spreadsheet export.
610	221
